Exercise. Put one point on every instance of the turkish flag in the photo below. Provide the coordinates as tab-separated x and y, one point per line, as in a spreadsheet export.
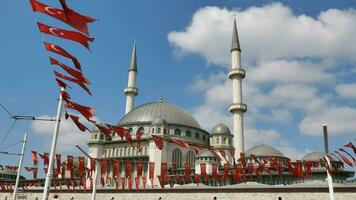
81	169
151	171
78	82
350	145
58	162
187	172
123	183
129	180
45	158
116	183
181	143
34	158
119	130
60	51
137	183
87	112
75	73
203	168
70	166
225	172
65	34
164	174
128	168
65	96
139	135
92	164
158	141
341	149
105	130
75	19
197	179
48	10
160	179
347	161
80	126
144	180
128	136
60	83
116	168
215	171
139	168
103	168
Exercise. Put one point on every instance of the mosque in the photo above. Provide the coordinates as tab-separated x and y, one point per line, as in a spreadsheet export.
170	121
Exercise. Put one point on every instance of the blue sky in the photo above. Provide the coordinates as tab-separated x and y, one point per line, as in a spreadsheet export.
299	58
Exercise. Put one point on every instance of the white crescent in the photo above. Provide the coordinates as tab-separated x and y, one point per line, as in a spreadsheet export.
54	47
53	31
53	12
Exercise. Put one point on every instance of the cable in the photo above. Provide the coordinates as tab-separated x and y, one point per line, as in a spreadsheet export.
10	145
39	106
6	110
8	132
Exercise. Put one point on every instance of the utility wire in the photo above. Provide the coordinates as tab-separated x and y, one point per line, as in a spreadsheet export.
15	143
8	132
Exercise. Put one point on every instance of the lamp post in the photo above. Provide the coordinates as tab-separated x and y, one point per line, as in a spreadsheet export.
93	196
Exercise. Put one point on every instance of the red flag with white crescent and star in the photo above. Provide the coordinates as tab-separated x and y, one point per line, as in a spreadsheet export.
86	111
34	158
60	51
139	168
158	141
116	168
45	158
151	172
81	169
48	10
78	82
187	172
128	168
65	34
75	19
58	162
103	168
79	125
350	145
60	83
70	166
75	73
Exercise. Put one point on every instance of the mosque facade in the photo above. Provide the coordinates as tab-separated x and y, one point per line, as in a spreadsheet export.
170	121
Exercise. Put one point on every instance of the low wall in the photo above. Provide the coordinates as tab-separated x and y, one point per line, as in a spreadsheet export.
196	194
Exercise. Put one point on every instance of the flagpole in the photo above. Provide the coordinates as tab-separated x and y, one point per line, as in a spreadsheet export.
330	180
20	167
93	196
49	175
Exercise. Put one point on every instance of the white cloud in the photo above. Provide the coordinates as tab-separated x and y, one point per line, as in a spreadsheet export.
68	136
346	90
340	120
269	32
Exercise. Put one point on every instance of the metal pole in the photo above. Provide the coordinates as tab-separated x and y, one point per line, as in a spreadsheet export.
326	140
53	149
93	196
20	167
330	181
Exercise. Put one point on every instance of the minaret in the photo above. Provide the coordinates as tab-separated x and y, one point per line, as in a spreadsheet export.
237	108
131	91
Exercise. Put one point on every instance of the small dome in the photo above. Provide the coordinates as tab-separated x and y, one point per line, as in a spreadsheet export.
315	155
159	121
264	150
206	154
220	129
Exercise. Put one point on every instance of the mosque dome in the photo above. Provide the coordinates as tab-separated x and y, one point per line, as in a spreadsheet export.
264	150
221	129
159	121
147	113
315	155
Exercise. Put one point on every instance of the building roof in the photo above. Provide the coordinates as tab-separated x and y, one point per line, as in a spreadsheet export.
220	129
206	153
159	121
146	113
315	155
264	150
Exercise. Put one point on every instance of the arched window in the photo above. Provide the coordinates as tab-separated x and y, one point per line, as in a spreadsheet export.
165	131
158	130
217	140
153	130
204	138
177	132
177	157
141	129
197	136
95	136
190	157
120	152
101	136
224	140
188	134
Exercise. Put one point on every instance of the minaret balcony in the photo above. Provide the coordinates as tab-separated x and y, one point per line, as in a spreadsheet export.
239	73
131	91
238	108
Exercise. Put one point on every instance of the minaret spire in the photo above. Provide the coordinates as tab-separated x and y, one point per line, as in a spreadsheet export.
237	108
131	91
